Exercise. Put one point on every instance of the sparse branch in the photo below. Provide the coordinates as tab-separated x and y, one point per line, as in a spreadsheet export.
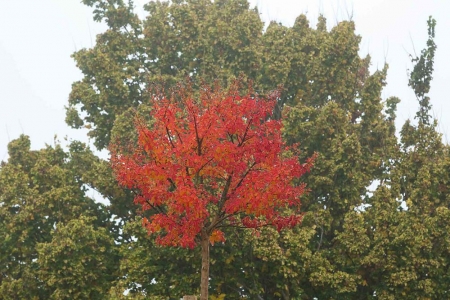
218	220
223	197
197	137
159	209
204	165
231	137
245	175
172	183
170	138
179	136
245	133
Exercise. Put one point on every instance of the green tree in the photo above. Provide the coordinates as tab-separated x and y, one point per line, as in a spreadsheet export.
76	263
154	270
197	38
401	250
39	190
338	112
332	104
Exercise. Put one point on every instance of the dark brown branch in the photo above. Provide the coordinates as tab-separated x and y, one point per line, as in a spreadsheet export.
220	217
245	133
172	183
179	137
244	227
207	130
197	137
231	137
204	165
243	177
159	209
217	221
223	197
170	139
156	208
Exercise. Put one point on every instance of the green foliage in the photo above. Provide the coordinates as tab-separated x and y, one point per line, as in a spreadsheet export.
376	220
398	247
39	190
78	263
97	174
354	243
153	270
421	75
339	113
211	40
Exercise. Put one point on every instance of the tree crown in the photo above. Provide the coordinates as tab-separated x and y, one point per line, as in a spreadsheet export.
211	161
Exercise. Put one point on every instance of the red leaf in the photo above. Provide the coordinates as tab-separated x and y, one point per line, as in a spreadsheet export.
208	162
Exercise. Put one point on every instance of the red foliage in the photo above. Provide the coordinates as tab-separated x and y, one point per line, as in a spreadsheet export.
211	162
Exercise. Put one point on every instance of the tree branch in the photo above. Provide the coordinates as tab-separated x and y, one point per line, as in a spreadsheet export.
159	209
197	137
179	137
223	197
243	177
170	139
172	183
245	133
204	165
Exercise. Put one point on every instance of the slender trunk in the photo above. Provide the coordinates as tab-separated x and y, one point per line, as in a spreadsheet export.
204	283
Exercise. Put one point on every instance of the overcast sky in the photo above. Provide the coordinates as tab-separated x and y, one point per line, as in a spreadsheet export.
38	37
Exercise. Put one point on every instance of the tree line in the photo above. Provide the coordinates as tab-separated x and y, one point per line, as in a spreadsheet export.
375	222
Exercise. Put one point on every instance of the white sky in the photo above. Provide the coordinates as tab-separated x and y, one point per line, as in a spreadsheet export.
38	37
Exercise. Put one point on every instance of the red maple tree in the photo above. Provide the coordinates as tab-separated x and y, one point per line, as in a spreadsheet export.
211	161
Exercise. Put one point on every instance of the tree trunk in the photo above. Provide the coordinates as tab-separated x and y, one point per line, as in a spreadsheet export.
204	283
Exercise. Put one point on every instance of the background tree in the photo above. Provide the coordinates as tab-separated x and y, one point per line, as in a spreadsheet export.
39	191
397	247
211	40
338	112
181	43
336	109
78	263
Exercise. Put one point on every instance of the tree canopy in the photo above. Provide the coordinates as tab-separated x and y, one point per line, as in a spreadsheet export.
375	224
41	193
211	162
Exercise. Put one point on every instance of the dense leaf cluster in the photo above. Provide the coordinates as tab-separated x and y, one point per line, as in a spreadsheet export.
376	220
209	163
